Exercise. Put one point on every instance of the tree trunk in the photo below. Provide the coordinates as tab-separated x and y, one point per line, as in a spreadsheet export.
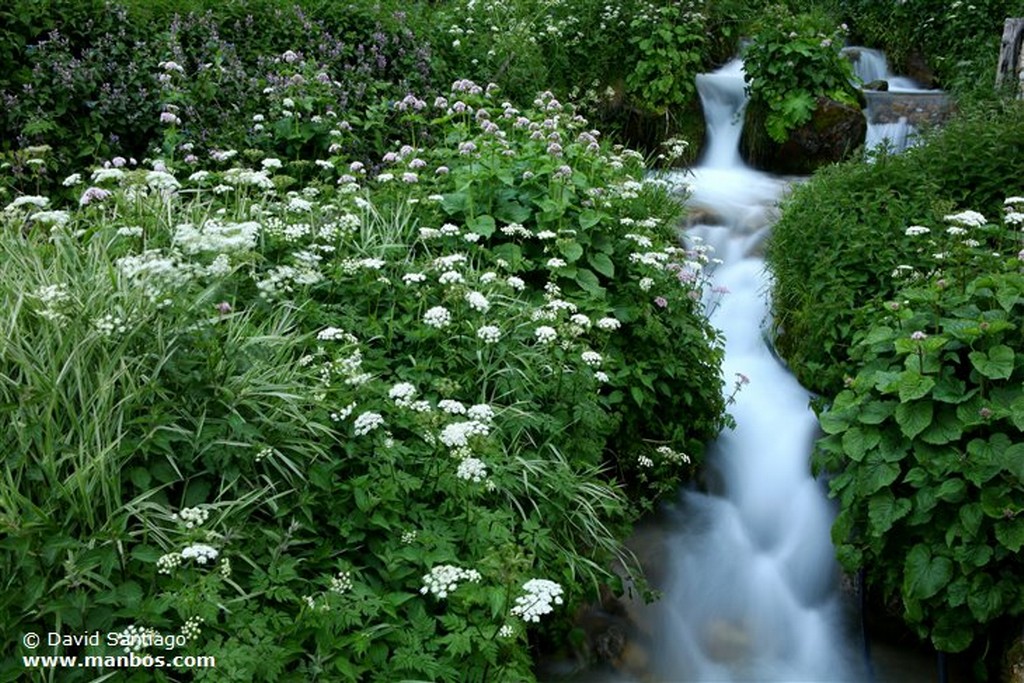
1011	56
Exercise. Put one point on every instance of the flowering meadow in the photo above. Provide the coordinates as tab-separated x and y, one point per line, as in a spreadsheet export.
334	419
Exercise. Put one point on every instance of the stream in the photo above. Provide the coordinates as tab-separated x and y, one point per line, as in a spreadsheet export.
749	582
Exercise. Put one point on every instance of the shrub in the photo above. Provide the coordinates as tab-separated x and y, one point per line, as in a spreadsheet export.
924	445
791	62
841	234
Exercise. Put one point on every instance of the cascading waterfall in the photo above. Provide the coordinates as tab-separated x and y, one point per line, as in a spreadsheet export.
871	65
754	590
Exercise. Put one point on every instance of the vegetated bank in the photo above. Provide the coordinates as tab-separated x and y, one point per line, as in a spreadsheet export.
898	298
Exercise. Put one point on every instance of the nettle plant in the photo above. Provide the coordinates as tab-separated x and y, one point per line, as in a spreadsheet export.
924	446
791	62
356	429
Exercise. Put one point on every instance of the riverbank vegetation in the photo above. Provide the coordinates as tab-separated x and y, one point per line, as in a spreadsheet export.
346	340
898	299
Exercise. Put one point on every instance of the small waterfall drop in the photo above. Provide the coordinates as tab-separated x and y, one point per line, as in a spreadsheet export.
753	588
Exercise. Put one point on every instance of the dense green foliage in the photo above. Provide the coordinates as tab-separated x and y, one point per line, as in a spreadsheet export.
842	233
924	444
271	416
792	61
958	40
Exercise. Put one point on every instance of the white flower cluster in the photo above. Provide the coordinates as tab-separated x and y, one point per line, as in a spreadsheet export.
214	236
336	334
472	469
192	628
136	638
451	407
438	316
402	394
970	219
644	461
516	283
915	230
166	564
200	552
458	434
445	578
451	277
541	594
247	176
481	412
489	334
413	278
545	334
477	301
592	358
28	200
55	218
192	517
341	583
367	422
609	324
672	456
154	272
54	301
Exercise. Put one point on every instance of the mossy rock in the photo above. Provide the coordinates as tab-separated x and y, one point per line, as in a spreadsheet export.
833	133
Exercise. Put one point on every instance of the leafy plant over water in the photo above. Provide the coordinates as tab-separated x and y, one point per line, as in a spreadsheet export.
791	62
924	444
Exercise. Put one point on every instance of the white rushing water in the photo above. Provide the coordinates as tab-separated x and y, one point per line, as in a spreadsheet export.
753	590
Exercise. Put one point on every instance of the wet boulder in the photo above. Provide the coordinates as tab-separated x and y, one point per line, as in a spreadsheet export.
879	85
833	133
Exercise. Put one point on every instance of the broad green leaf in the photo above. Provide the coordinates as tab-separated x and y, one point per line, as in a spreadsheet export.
971	516
857	442
950	634
1017	412
950	390
1007	295
509	252
589	218
884	510
913	417
571	250
985	599
923	574
589	282
952	490
602	264
876	412
455	202
482	225
984	458
879	334
1011	533
833	422
996	364
945	427
914	385
874	475
1013	461
512	212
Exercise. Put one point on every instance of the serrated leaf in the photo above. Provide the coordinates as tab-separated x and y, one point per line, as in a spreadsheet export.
996	364
923	574
511	253
882	333
944	427
952	490
985	599
914	417
876	412
1011	533
833	422
950	635
950	390
588	281
1017	412
875	475
884	510
913	385
857	442
971	516
1007	296
455	202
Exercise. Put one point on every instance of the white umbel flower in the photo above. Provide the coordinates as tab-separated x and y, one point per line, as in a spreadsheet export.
438	316
541	594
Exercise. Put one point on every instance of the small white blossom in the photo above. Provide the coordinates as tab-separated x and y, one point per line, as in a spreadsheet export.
540	595
545	334
200	552
609	324
438	317
445	578
367	422
489	333
451	407
477	301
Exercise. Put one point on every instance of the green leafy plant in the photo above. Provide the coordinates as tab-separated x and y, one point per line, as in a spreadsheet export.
923	446
792	61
